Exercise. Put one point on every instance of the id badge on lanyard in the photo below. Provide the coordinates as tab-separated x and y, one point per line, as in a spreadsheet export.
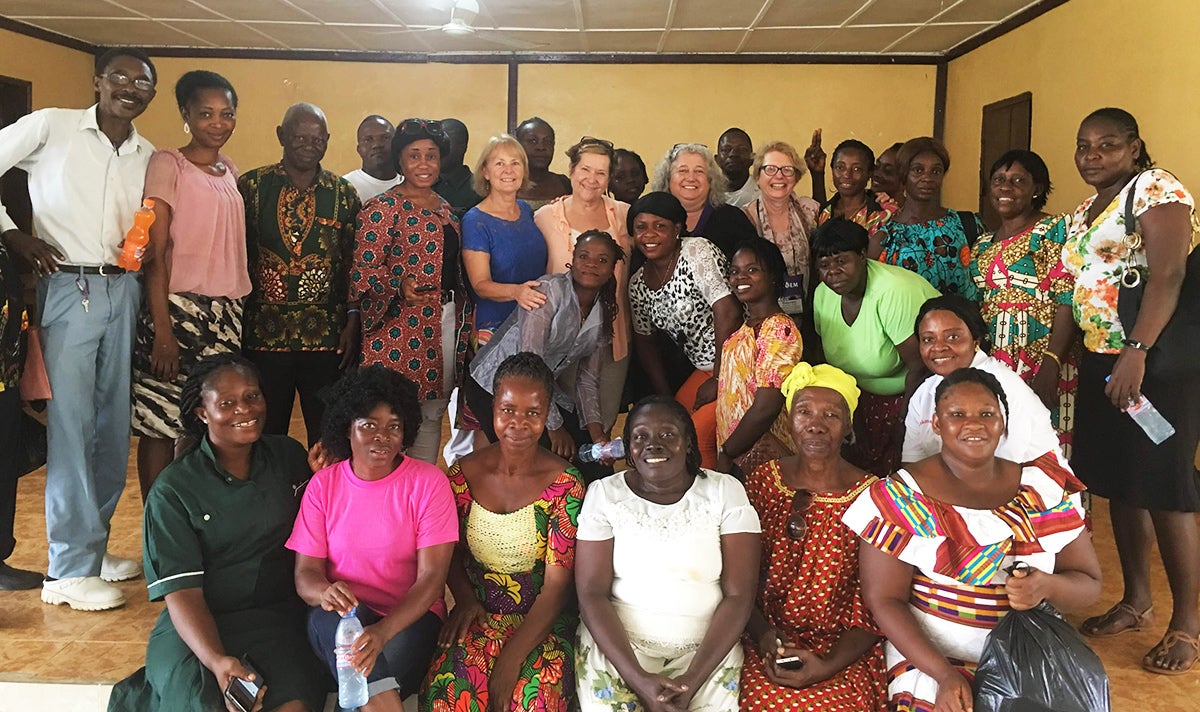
792	299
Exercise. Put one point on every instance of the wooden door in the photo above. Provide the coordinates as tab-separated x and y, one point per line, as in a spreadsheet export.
1006	125
15	102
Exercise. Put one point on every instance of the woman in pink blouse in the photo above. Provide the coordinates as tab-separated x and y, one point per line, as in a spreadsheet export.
589	207
195	266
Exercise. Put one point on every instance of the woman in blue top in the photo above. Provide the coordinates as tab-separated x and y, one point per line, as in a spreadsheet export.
503	250
923	236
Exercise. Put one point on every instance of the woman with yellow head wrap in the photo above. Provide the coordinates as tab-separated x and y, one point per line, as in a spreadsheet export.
809	607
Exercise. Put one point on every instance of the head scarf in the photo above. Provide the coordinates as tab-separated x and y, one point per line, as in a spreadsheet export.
825	376
660	203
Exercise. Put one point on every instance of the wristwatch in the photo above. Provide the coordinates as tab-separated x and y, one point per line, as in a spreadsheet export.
1131	343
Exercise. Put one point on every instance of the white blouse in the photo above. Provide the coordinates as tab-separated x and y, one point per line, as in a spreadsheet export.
667	557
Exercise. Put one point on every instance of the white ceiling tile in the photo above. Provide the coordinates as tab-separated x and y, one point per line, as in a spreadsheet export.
625	14
904	12
715	13
164	9
774	40
20	9
810	13
335	11
378	39
224	33
304	36
141	32
866	40
618	41
548	14
937	38
985	10
707	41
255	10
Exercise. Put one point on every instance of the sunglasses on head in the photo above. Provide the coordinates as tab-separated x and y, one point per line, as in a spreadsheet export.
420	126
593	141
797	526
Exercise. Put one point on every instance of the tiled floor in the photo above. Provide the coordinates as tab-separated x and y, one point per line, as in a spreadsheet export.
55	644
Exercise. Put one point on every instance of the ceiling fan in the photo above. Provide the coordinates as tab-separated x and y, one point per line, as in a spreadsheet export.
460	24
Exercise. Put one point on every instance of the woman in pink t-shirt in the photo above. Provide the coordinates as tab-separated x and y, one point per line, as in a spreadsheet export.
376	531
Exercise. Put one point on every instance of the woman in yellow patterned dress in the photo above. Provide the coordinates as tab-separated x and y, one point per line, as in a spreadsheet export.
1025	289
509	642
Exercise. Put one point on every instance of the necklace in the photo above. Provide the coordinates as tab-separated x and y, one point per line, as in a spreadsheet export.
662	278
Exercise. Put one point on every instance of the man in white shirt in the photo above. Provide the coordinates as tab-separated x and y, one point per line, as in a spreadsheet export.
86	172
735	154
378	173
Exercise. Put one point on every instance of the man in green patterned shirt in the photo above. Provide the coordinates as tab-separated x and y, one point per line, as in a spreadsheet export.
300	218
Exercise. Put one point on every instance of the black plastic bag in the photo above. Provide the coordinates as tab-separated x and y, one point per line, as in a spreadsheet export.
1034	661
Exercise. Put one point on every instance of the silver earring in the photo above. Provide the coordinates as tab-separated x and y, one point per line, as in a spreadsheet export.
186	129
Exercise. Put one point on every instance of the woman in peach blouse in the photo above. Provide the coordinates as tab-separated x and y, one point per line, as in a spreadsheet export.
589	207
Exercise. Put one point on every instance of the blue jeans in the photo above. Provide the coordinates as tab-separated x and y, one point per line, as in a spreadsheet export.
87	355
401	664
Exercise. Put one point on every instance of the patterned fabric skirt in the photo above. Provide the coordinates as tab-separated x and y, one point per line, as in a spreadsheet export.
458	679
957	619
203	326
877	444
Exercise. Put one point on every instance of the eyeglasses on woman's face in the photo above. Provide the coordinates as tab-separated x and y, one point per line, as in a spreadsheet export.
787	171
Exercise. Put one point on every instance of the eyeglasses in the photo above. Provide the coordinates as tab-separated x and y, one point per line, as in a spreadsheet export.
420	126
121	79
787	171
797	526
678	148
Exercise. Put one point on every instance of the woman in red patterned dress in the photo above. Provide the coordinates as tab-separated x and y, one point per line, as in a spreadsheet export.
809	606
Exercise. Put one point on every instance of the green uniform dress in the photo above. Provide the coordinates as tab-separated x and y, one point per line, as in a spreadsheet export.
204	528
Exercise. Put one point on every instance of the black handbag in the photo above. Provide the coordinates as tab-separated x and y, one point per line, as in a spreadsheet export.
31	453
1176	344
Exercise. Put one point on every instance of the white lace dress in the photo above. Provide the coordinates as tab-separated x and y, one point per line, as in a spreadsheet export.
666	583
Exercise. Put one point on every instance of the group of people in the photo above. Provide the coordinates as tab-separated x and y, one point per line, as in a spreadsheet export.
816	386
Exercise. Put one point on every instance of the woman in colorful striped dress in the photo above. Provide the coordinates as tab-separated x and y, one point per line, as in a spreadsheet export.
939	536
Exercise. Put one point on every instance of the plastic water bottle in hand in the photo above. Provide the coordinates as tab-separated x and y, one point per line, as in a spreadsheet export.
594	452
1147	416
352	684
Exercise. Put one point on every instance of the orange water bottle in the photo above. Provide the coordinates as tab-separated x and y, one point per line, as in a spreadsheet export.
137	238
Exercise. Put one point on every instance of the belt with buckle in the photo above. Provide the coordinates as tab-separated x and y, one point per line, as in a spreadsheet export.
102	270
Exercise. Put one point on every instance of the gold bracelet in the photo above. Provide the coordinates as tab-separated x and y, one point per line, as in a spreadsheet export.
1053	357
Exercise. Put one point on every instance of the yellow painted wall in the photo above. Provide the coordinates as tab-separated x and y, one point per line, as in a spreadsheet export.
345	91
60	76
649	108
1077	58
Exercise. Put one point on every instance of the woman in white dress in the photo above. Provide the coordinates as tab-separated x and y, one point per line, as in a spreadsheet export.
666	571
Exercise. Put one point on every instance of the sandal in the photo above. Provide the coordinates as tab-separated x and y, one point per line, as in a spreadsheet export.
1170	640
1103	626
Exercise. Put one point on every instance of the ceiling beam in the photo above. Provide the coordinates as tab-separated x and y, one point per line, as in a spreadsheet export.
1028	14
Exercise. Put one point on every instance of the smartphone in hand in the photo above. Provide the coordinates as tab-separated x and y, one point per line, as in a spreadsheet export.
242	693
792	662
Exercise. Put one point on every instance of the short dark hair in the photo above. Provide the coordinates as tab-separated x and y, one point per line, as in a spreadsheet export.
524	364
853	144
838	235
421	129
199	380
769	256
681	414
1031	162
1127	125
973	375
922	144
106	58
191	83
530	123
356	394
964	309
626	153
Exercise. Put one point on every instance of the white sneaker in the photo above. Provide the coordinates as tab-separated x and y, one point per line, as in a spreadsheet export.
83	593
114	568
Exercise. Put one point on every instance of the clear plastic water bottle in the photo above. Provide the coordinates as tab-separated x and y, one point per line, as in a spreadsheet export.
594	452
1147	416
352	684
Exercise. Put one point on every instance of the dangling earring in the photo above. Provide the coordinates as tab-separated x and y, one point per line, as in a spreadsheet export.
186	129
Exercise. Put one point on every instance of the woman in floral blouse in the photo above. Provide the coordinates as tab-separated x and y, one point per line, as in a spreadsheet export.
1146	484
407	280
